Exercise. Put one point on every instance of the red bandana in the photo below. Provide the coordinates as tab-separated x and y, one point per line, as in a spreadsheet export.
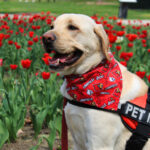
99	87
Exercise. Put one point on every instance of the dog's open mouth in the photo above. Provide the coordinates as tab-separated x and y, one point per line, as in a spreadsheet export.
60	61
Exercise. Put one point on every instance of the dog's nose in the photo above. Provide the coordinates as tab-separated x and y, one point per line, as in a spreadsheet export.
48	38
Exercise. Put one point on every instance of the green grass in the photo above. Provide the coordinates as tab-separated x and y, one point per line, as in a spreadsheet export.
70	6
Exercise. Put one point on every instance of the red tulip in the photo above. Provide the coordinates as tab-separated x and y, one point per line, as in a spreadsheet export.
38	27
138	33
45	75
18	46
143	35
148	77
118	47
144	32
11	31
10	42
31	20
46	58
15	17
123	63
131	37
37	73
123	27
143	41
31	34
48	13
26	63
1	36
141	74
112	38
21	30
1	62
7	27
115	18
104	22
1	44
130	54
113	53
119	23
30	43
120	33
49	21
126	55
58	74
17	33
35	39
13	66
134	27
139	27
33	27
29	48
148	50
7	36
46	54
94	17
130	45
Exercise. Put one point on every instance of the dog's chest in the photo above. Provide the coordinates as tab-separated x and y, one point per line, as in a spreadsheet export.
90	128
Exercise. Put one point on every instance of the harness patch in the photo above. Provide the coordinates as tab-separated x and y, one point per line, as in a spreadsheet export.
136	113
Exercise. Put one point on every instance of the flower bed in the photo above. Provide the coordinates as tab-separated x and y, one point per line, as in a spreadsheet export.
25	79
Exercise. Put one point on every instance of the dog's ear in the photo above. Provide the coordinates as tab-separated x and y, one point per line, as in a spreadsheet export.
100	32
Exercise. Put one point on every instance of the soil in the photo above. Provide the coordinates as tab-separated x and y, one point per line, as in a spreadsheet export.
25	140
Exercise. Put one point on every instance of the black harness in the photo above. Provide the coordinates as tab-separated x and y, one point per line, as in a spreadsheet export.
141	134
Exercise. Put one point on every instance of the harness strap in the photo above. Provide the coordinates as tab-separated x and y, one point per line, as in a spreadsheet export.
140	136
80	104
136	142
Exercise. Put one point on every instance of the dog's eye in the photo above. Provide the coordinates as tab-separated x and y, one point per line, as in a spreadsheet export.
72	27
52	27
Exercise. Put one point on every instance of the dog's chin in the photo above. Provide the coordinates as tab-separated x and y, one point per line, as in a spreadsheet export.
62	62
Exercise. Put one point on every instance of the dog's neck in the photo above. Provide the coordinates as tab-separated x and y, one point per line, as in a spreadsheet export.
89	63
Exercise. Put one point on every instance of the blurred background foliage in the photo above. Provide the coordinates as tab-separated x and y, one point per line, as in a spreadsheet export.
89	7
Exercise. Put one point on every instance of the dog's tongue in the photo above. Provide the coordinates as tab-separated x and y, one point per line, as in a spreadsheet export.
59	59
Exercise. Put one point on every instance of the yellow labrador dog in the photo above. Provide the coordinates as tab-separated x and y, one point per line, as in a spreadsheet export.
80	45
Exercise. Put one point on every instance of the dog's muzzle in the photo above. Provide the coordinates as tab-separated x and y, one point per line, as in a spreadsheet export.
48	39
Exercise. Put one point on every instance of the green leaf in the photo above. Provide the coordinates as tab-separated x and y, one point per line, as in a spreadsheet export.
51	139
37	146
38	119
4	135
58	123
34	147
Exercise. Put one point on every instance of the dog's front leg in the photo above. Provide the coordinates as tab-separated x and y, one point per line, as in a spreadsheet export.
76	125
91	129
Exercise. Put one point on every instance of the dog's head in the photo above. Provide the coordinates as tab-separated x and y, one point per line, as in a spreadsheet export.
79	44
